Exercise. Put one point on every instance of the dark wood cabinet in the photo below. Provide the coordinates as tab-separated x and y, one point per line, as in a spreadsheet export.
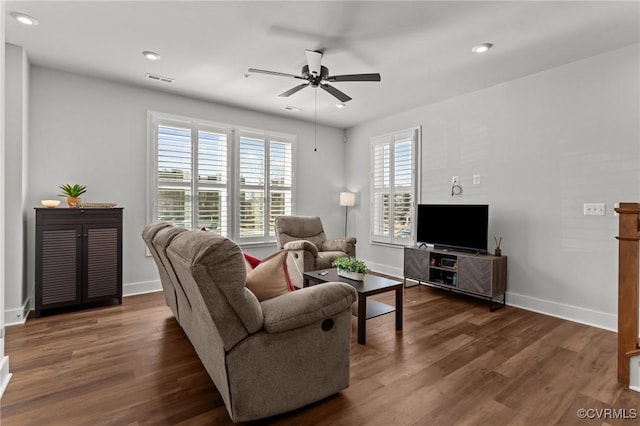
78	256
479	275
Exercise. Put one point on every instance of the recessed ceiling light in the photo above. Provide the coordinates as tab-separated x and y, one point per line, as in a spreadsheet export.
292	108
342	105
23	18
482	48
152	56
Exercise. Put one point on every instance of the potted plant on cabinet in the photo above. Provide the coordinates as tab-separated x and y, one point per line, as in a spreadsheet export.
350	267
73	193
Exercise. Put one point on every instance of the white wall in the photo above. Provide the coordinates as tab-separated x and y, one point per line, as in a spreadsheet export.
16	144
4	360
543	145
93	132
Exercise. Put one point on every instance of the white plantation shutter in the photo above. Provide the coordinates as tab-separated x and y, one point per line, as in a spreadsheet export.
201	175
213	204
280	181
252	187
265	182
394	183
174	166
185	197
403	189
381	154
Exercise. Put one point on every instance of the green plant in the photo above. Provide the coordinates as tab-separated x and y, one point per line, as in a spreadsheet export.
72	191
350	264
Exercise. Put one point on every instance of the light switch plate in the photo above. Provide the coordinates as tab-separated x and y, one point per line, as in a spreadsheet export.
594	209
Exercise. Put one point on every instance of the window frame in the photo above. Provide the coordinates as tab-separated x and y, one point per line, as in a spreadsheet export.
391	139
233	187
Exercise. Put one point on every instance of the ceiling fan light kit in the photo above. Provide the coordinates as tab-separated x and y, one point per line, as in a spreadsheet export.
317	75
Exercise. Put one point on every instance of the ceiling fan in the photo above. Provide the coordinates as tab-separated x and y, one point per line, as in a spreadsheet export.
317	75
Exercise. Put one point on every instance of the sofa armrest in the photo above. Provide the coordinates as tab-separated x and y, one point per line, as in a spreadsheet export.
306	306
346	245
301	245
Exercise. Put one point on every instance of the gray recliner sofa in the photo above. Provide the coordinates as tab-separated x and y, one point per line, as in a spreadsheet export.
170	285
265	358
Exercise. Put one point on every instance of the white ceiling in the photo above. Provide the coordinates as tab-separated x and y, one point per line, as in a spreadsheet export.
421	49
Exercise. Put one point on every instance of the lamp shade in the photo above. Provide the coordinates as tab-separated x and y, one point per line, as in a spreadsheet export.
347	199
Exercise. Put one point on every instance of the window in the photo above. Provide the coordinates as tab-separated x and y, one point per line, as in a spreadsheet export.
231	181
394	186
266	176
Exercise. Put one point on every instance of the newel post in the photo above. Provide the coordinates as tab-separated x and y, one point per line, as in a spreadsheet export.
628	312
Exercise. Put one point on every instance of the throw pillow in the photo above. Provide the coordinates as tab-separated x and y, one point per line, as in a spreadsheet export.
250	261
270	278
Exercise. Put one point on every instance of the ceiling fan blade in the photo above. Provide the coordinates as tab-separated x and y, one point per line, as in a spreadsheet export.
355	77
294	90
279	74
335	92
314	58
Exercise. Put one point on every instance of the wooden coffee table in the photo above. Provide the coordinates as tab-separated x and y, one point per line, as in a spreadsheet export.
367	308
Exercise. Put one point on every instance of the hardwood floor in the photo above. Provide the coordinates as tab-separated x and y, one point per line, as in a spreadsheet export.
455	363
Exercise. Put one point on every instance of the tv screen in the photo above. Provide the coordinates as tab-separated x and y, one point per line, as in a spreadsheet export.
458	226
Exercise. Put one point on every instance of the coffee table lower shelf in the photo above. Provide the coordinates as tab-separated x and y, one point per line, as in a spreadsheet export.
371	285
374	309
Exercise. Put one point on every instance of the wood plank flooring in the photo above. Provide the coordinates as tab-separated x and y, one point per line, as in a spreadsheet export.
455	363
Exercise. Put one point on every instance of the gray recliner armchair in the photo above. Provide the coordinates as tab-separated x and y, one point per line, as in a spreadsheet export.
308	247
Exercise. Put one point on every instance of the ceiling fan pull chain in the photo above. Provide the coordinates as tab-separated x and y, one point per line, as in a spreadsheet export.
315	122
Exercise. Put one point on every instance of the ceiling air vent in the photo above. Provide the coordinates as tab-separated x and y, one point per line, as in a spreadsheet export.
159	78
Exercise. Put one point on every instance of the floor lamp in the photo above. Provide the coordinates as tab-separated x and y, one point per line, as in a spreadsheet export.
347	199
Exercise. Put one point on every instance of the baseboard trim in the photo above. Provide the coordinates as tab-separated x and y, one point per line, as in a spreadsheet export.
385	269
143	287
634	373
547	307
17	316
5	376
569	312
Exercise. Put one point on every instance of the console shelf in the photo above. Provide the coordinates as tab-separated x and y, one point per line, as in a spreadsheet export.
482	276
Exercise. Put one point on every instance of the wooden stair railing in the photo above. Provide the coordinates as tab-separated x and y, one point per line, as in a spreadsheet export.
628	309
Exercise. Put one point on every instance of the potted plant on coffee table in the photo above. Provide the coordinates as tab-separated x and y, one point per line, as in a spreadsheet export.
73	193
350	267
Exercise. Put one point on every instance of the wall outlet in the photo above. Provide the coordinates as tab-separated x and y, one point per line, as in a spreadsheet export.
594	209
476	179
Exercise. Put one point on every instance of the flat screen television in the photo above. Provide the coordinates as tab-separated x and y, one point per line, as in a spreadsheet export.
455	226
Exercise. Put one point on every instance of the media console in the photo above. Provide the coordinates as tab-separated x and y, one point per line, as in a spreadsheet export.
479	275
